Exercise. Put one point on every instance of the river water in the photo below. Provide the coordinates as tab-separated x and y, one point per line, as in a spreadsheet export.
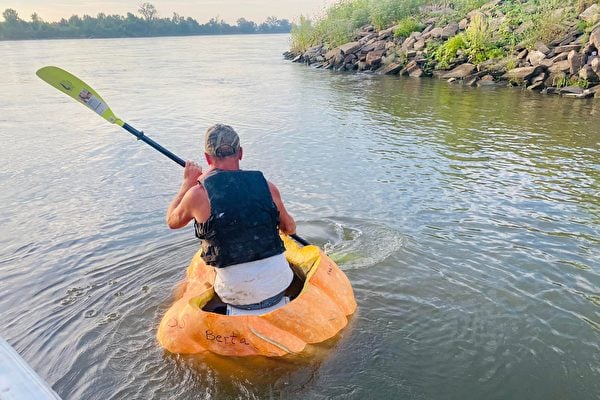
468	221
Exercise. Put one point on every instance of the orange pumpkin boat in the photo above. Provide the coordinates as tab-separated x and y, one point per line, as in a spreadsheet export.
320	305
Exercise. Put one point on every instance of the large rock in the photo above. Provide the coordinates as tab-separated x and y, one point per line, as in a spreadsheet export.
582	95
595	64
591	14
374	58
390	69
368	36
364	33
594	90
408	44
450	30
539	77
436	33
541	47
315	49
416	73
575	61
560	66
494	66
524	73
535	57
567	48
349	47
412	69
487	80
571	89
380	45
564	40
367	48
460	72
536	85
555	78
349	58
588	74
595	38
588	49
335	56
419	45
313	55
386	33
522	54
560	57
474	13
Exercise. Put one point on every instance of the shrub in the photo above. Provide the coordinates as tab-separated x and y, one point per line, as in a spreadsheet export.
580	82
303	35
407	26
335	32
447	52
479	43
476	43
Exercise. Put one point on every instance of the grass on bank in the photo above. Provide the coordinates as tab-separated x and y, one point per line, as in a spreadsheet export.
528	23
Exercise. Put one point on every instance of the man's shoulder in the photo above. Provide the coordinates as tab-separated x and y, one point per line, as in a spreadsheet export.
197	191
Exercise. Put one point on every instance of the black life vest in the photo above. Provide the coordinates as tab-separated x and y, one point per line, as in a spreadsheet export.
243	222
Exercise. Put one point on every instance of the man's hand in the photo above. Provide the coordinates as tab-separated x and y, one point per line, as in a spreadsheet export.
179	213
191	174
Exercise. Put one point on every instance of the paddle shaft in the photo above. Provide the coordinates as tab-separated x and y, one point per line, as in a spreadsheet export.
140	136
299	240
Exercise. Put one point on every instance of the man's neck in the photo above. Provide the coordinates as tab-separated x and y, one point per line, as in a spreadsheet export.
227	164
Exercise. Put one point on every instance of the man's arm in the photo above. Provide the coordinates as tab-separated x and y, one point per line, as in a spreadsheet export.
180	211
287	224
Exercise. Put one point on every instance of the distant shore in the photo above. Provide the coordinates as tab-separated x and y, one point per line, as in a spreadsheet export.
105	26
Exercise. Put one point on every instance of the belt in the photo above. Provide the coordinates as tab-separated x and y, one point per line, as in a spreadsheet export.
271	301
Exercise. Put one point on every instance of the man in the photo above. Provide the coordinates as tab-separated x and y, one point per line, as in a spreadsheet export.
238	215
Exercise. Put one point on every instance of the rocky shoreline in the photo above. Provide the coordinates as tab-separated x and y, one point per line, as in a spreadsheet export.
568	66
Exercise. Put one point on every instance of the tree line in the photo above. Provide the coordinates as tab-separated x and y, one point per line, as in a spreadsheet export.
146	23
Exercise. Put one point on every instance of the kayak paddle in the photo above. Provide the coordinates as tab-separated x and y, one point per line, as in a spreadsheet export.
83	93
77	89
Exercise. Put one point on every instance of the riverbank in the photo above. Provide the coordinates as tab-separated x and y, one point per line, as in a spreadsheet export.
479	49
108	26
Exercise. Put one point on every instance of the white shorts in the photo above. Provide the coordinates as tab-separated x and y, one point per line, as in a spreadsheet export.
253	282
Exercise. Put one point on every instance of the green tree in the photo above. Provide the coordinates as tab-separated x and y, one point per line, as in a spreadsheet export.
15	27
274	25
245	26
11	16
148	11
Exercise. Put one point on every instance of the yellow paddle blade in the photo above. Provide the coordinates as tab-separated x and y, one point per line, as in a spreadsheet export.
78	90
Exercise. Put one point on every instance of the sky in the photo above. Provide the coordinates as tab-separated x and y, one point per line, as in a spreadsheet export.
201	10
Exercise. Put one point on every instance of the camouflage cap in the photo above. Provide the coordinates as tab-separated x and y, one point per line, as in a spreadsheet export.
221	141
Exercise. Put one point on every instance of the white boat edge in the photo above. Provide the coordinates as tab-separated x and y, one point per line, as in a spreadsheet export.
18	381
